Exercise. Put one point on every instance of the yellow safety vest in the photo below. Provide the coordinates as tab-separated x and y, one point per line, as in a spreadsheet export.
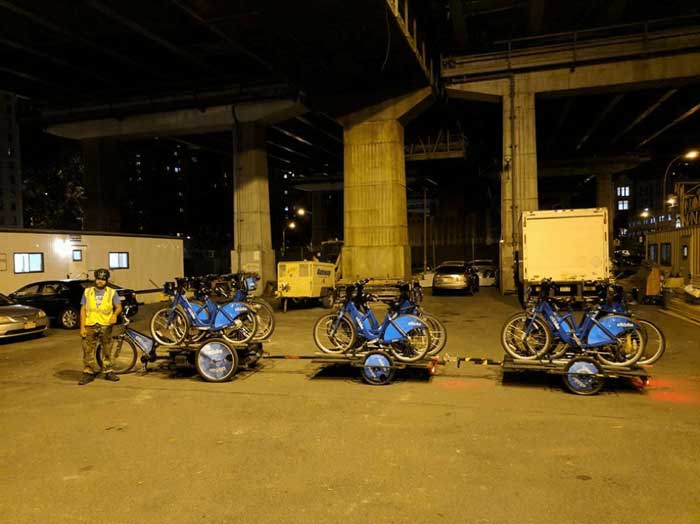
103	314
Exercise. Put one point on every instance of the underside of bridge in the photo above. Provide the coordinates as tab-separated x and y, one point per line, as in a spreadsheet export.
539	101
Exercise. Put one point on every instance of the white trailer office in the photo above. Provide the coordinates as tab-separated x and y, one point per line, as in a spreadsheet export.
135	261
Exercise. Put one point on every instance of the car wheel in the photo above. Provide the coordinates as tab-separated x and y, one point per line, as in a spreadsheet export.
68	318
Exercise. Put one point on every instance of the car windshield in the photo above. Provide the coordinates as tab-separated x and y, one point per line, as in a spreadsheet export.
449	270
90	283
5	301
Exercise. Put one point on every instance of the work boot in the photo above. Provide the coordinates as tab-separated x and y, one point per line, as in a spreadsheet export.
86	378
111	377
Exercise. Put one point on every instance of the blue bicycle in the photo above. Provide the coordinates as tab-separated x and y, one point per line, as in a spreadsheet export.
180	322
612	301
406	336
614	340
409	303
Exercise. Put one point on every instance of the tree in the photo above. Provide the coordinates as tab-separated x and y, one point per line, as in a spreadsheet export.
53	196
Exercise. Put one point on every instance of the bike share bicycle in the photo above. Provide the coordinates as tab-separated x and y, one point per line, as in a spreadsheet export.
355	333
599	345
182	321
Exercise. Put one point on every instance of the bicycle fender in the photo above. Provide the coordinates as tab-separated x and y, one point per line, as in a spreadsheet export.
615	324
228	313
406	323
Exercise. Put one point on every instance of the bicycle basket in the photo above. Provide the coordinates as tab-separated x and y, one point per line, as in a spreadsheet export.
169	288
250	284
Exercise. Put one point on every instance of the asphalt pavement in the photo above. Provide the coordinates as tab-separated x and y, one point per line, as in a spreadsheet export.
297	442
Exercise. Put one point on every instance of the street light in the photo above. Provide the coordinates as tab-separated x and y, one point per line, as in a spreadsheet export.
290	225
688	155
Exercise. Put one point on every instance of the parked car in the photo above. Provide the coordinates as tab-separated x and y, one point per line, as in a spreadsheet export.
487	271
16	319
60	299
455	277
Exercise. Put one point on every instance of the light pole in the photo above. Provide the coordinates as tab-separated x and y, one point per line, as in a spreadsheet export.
290	225
688	155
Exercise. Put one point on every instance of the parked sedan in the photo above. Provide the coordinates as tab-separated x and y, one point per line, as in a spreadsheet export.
16	319
455	277
487	271
60	299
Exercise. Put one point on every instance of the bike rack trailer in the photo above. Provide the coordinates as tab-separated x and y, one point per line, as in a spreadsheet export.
377	367
581	375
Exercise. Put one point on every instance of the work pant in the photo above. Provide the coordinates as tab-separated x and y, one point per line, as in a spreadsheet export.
95	334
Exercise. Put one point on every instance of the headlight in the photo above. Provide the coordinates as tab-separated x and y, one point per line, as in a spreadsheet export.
41	314
6	320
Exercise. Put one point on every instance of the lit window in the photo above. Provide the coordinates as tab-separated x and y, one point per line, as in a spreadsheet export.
118	260
623	191
77	255
623	205
29	262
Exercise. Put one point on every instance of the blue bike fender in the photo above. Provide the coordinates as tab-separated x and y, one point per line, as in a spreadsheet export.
616	324
232	310
406	323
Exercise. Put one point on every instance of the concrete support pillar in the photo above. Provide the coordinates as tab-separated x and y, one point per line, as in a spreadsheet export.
251	205
605	198
103	187
519	174
375	217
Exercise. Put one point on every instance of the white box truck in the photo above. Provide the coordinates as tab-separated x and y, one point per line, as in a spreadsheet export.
570	246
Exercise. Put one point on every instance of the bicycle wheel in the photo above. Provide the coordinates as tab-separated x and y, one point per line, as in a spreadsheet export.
123	355
169	333
265	316
627	351
216	361
416	344
526	340
334	335
654	342
243	330
559	349
438	334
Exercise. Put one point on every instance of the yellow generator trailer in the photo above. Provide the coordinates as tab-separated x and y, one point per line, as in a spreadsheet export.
299	281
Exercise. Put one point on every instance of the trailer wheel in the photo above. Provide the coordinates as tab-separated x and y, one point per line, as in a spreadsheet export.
216	361
378	368
583	376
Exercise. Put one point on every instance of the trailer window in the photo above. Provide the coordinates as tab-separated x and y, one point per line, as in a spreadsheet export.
118	260
77	255
29	262
653	254
666	254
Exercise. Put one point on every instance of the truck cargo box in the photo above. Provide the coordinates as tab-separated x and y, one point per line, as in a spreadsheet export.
568	245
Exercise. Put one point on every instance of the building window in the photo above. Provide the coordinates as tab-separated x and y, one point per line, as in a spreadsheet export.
666	254
77	255
118	260
653	254
623	205
623	191
623	231
29	262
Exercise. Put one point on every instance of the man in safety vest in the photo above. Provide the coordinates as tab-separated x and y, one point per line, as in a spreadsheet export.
99	309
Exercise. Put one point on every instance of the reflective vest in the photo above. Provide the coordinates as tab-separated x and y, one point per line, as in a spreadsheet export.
103	314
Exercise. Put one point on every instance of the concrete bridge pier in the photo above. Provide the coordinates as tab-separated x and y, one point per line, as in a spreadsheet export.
375	216
518	174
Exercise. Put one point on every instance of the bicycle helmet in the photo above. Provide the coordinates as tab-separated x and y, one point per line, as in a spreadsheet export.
101	274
